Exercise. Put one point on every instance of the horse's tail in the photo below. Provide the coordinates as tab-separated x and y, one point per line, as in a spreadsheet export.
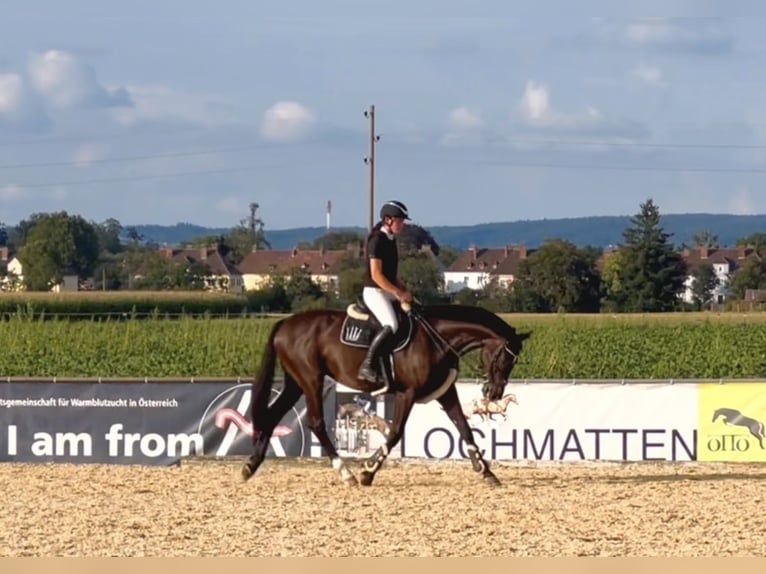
265	378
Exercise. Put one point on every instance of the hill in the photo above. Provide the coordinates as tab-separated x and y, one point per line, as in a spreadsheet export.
599	231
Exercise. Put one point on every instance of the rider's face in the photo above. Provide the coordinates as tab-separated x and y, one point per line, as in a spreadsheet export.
397	224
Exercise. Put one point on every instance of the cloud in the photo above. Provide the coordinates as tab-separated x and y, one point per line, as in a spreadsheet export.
464	118
466	128
649	75
162	103
66	82
85	154
741	203
11	192
18	110
287	121
229	205
10	94
661	34
535	110
17	193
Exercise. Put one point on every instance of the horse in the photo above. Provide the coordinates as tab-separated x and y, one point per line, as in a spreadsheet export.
735	418
488	409
423	366
357	413
361	417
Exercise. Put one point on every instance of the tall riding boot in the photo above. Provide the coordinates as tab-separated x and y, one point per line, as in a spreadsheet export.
369	369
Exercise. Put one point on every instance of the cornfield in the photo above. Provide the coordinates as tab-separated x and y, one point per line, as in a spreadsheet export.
679	346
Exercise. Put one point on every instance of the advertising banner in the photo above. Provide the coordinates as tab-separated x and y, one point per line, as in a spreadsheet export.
362	423
731	422
564	422
141	423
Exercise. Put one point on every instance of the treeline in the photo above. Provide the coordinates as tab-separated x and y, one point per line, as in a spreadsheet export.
106	256
646	273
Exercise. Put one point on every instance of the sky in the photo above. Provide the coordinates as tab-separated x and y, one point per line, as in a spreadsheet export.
179	111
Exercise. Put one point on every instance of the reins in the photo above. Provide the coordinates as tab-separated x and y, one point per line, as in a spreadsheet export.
441	342
434	335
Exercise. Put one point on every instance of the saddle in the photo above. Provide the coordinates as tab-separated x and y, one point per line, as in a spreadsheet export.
360	327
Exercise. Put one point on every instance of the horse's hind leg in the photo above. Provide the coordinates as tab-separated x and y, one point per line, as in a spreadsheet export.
265	422
450	403
316	422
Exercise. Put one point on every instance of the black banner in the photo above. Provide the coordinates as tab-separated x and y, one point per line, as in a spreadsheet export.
154	423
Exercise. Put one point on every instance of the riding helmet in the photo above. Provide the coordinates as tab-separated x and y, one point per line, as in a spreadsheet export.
394	209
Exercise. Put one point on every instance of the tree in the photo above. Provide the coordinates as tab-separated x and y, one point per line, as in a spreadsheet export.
422	276
756	241
558	277
336	240
611	285
158	272
3	235
412	239
448	255
350	283
109	233
134	236
705	239
704	283
248	235
58	244
652	274
751	275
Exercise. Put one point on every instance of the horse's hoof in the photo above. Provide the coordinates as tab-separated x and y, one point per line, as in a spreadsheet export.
351	481
246	472
366	478
491	480
348	478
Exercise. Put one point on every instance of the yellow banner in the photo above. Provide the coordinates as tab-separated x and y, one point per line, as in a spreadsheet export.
731	418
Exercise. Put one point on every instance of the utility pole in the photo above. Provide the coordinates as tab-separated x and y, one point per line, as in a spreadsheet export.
370	161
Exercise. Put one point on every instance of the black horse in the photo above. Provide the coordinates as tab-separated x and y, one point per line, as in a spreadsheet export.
423	367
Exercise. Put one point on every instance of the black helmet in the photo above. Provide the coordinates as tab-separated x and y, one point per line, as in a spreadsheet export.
394	209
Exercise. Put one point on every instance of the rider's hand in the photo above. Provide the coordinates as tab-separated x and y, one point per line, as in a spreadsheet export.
405	296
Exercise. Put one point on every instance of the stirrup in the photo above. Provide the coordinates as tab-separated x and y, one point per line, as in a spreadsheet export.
382	379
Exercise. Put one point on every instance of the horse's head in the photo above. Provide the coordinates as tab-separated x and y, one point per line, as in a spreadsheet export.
499	357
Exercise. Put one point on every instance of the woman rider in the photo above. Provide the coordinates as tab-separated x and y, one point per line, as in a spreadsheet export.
382	285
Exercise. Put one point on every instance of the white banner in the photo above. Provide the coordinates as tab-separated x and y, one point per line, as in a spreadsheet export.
565	422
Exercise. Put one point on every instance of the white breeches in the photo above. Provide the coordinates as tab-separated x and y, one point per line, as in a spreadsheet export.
382	306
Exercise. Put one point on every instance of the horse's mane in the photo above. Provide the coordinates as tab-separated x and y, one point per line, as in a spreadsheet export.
469	314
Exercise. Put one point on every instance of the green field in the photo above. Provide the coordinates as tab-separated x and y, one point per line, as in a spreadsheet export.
678	346
85	303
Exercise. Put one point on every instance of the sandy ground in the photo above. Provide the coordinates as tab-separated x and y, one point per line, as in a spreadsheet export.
413	509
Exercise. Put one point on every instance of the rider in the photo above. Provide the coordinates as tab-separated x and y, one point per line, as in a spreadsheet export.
381	284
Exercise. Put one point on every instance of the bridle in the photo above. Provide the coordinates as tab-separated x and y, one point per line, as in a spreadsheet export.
445	347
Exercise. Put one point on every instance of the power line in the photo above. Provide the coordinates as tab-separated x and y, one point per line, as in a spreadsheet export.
453	161
101	137
607	167
635	144
142	178
133	158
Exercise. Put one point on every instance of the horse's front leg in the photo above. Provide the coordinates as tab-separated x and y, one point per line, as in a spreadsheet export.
451	404
402	408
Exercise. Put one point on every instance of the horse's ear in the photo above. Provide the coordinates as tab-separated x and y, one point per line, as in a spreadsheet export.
524	336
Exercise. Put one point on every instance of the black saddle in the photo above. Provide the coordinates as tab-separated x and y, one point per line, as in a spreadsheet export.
360	327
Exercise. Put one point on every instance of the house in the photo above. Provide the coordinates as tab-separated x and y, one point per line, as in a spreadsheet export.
476	267
323	266
12	275
725	262
224	275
